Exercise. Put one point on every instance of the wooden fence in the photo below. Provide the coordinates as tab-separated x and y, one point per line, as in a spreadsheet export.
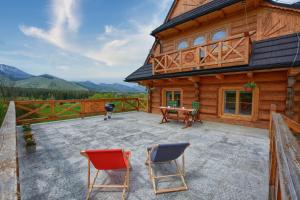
49	110
284	164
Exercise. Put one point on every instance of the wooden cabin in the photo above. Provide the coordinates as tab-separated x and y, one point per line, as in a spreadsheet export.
210	51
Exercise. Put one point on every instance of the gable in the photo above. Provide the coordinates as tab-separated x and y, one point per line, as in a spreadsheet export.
274	22
182	6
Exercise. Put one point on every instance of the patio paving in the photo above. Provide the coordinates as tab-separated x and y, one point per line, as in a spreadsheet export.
223	161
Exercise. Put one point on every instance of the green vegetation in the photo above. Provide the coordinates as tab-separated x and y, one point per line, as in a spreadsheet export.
13	93
250	85
3	109
30	142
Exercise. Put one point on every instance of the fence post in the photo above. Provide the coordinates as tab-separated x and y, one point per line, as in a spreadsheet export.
122	104
138	104
219	54
52	108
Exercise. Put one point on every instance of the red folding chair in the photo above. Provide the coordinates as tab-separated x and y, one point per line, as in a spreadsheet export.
113	159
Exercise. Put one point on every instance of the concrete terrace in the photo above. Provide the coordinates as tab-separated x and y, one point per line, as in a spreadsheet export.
223	161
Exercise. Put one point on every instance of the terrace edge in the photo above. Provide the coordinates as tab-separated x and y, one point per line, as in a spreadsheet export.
9	184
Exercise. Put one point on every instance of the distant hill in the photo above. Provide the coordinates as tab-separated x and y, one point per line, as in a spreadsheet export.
45	82
13	73
14	77
105	87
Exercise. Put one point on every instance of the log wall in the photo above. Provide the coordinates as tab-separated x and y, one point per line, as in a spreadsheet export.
272	90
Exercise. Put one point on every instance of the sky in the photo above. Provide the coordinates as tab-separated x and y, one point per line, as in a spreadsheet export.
79	40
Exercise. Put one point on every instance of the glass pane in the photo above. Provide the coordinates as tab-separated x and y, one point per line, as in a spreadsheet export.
230	102
219	35
245	103
199	40
177	97
182	45
168	97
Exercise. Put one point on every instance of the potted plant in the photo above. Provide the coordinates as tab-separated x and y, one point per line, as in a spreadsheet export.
26	127
248	87
27	132
30	145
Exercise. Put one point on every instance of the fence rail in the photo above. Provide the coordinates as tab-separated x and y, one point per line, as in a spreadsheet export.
284	159
41	111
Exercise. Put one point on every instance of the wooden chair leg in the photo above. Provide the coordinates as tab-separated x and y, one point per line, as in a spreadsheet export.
180	172
91	187
126	183
152	176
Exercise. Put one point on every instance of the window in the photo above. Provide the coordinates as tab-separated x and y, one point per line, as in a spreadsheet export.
182	45
200	40
217	36
173	95
238	102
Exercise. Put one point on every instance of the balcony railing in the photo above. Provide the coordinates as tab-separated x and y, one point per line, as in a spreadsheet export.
232	51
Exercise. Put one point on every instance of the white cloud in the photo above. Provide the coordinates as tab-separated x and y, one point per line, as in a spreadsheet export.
64	20
117	46
287	1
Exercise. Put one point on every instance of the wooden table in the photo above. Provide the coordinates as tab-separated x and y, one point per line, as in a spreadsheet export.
186	112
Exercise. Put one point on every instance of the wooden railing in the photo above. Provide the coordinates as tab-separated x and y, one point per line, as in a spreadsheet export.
284	164
232	51
49	110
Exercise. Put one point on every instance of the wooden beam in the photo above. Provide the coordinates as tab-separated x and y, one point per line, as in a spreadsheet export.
145	82
196	22
177	29
294	71
221	13
194	79
220	76
250	75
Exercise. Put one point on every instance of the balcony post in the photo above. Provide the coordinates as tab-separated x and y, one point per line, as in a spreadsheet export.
219	54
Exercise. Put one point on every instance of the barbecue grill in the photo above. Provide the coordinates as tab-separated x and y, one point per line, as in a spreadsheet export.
109	108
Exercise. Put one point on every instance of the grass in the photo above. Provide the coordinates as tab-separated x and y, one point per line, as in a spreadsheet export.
3	109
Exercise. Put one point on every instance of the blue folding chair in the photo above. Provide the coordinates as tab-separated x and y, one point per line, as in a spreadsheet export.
164	153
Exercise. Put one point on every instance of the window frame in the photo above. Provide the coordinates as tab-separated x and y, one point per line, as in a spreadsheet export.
225	29
221	104
196	37
164	92
212	32
180	41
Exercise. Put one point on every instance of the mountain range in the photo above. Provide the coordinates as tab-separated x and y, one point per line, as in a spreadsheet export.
14	77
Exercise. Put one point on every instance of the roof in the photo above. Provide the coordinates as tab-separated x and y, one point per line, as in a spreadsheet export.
279	52
206	9
197	12
293	6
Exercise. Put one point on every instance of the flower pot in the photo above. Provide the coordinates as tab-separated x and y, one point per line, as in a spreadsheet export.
30	148
247	89
27	135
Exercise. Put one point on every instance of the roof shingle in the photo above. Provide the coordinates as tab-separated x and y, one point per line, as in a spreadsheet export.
209	8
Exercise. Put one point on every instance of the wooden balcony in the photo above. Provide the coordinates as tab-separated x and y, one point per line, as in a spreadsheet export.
232	51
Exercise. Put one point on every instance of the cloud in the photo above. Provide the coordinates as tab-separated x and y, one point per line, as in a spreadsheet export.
64	20
116	46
